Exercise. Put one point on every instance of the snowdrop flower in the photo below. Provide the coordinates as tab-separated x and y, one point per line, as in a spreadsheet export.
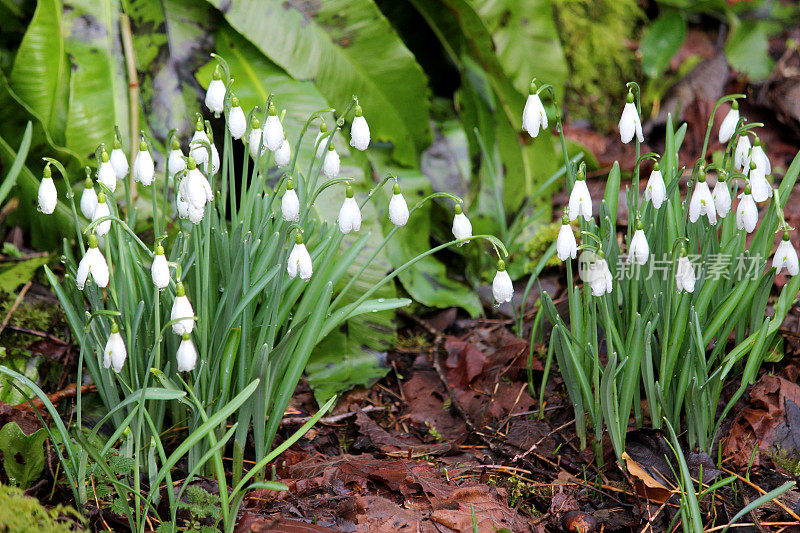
290	204
350	214
273	130
88	198
255	139
237	122
186	355
283	155
594	271
728	126
462	227
786	256
580	202
182	312
194	187
115	352
118	161
702	203
566	246
299	260
534	117
398	208
159	270
746	211
321	139
106	175
92	263
100	211
656	191
758	182
143	168
359	131
684	275
759	157
214	154
722	196
629	122
639	250
48	196
175	162
330	166
741	155
215	95
502	287
197	147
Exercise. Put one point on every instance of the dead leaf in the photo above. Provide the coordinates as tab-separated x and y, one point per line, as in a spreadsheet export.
389	444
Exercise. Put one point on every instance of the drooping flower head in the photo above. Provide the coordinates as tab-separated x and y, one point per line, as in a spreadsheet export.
273	129
321	140
728	126
761	188
702	203
159	270
115	353
215	95
175	162
629	122
182	314
566	245
88	197
101	211
684	274
106	175
741	155
143	167
254	141
299	263
722	195
502	287
656	190
746	211
580	202
786	256
48	196
283	155
92	263
330	165
118	160
759	157
534	116
359	131
639	250
593	269
186	356
398	208
462	227
290	204
350	214
237	122
197	146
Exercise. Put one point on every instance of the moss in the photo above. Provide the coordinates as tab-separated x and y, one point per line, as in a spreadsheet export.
595	36
21	514
536	247
38	316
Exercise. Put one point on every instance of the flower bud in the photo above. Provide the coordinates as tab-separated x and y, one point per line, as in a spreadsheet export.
502	287
48	196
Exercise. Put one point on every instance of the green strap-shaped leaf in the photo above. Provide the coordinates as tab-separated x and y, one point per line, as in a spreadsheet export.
347	47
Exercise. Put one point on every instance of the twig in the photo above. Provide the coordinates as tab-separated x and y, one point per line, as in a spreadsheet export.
538	442
330	419
762	491
67	392
38	334
20	296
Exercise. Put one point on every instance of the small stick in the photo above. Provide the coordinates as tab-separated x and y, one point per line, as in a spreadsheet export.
20	296
331	419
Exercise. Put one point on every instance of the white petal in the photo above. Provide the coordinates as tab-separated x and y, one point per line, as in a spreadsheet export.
533	115
722	199
283	155
502	287
462	227
215	97
98	267
107	176
175	163
199	151
299	263
349	216
330	166
629	124
639	250
182	309
290	206
728	125
237	122
119	163
746	214
759	157
159	271
580	202
88	202
186	356
214	160
143	168
741	157
115	352
760	187
566	246
398	210
273	133
99	212
359	134
254	142
48	196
